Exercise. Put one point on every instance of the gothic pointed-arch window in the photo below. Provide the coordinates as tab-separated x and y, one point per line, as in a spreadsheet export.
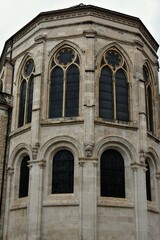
149	99
64	84
24	177
26	93
113	87
63	172
112	175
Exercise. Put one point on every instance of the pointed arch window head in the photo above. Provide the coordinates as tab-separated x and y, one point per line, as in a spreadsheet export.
26	93
148	99
113	87
64	84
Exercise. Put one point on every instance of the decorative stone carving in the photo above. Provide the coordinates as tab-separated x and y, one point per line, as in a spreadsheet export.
35	149
10	171
6	99
95	163
42	164
142	157
88	149
158	175
81	163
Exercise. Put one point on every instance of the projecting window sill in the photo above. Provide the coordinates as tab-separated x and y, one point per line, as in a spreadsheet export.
152	136
119	124
22	129
61	200
151	207
115	202
66	120
20	203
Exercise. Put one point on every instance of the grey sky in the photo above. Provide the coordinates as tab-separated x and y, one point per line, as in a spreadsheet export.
14	14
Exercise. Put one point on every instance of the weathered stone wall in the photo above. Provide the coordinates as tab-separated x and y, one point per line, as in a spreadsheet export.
85	214
3	132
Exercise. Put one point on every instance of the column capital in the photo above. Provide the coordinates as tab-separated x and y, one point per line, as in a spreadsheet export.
95	163
42	164
158	175
135	166
81	163
10	171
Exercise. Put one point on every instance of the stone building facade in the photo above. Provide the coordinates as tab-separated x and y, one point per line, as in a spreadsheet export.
84	137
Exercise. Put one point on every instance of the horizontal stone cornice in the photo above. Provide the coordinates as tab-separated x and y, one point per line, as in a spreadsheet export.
83	11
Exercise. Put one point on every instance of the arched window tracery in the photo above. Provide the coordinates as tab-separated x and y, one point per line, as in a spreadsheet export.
64	84
26	93
113	87
149	99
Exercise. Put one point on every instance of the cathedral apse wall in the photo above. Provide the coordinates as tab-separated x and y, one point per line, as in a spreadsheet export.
84	142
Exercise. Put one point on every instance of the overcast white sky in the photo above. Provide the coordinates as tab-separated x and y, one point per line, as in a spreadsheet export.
14	14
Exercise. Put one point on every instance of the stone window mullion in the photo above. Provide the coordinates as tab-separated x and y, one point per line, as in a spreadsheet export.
64	93
114	95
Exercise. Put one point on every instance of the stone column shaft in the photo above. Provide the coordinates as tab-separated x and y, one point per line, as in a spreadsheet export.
7	204
36	109
88	206
89	103
140	201
35	200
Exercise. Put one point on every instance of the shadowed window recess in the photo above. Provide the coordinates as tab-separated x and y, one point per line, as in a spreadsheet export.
64	84
148	181
24	178
26	93
112	174
149	99
63	172
113	87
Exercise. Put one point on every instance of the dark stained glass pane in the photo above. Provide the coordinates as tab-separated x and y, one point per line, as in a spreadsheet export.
113	58
112	174
63	172
72	92
56	93
122	111
22	100
29	67
30	99
150	109
148	182
145	73
106	106
24	178
65	56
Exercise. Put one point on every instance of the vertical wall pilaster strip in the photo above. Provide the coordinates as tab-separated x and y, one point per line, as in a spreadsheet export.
7	205
35	200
